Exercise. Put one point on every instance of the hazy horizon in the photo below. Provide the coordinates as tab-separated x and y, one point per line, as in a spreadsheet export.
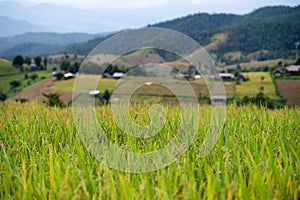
95	16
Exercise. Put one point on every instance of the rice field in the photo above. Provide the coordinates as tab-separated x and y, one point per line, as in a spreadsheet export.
256	157
259	81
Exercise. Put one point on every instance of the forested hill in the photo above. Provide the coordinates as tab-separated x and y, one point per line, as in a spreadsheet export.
204	21
269	32
265	33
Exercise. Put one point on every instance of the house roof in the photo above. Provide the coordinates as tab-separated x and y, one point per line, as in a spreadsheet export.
68	75
227	75
94	92
118	75
293	68
277	70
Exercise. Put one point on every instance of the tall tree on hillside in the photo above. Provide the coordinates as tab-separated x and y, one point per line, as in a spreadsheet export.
45	62
27	60
18	61
64	65
38	61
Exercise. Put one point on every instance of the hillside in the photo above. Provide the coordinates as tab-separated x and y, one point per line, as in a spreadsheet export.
274	29
269	32
7	68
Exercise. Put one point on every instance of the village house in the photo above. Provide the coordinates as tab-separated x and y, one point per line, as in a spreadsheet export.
293	70
278	72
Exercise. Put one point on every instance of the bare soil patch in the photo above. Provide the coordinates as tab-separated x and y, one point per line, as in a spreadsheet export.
290	90
35	92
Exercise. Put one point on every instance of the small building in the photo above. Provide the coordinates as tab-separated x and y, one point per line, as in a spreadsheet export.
226	76
293	69
32	66
218	100
68	75
106	75
278	72
118	75
94	93
197	76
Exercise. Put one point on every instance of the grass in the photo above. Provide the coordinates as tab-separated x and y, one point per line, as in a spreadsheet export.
256	157
7	68
253	86
68	85
144	92
5	81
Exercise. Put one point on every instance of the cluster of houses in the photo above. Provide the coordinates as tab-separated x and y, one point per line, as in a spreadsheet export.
290	70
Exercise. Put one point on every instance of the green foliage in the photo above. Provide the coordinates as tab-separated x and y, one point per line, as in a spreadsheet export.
27	60
22	100
15	84
261	100
6	88
53	100
34	76
64	65
106	96
18	61
59	76
45	62
256	157
38	61
3	96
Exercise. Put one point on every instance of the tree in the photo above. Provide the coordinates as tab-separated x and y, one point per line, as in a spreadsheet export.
38	61
191	71
34	76
45	61
53	100
3	96
106	96
27	60
15	84
76	67
18	61
59	76
64	65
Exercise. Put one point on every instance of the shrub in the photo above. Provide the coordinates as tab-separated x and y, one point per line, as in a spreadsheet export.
59	76
22	100
3	96
53	100
34	76
15	84
261	100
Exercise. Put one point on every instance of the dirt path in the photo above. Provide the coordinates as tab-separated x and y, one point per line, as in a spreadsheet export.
35	92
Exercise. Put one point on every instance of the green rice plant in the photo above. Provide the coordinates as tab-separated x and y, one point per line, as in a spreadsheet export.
256	156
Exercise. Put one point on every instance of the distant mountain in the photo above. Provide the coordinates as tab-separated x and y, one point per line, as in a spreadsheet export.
41	43
30	49
14	27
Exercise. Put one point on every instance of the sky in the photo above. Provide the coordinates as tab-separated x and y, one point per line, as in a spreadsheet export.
210	6
94	16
